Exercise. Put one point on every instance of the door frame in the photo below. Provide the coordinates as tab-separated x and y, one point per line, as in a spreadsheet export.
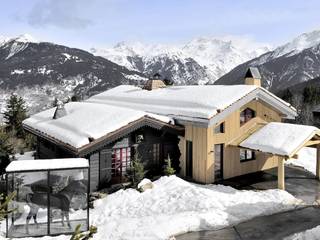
189	159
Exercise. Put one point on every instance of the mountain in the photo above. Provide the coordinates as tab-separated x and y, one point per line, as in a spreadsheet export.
290	64
200	61
41	71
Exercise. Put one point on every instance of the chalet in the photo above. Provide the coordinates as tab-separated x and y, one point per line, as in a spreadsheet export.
211	132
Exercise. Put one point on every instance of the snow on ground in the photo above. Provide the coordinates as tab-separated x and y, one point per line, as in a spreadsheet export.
175	206
307	158
25	156
311	234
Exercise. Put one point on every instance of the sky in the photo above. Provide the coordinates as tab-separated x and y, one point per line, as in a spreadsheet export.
103	23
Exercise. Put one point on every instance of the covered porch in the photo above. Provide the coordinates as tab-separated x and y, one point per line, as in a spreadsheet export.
284	140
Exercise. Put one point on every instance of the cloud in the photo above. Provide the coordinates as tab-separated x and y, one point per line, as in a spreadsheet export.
67	14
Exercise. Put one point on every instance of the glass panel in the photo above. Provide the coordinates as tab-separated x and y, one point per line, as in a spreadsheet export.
68	200
249	154
219	128
30	217
218	155
242	154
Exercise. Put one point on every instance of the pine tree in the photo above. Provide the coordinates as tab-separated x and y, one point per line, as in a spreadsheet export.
136	171
16	112
169	170
6	150
311	95
287	95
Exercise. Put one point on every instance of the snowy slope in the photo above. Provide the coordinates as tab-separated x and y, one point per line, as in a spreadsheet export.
294	62
201	60
41	71
129	214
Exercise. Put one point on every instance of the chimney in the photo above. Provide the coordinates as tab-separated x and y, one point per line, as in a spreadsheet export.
60	110
154	83
253	77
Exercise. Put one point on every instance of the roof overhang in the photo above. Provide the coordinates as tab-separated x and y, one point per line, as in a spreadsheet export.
260	140
261	94
96	144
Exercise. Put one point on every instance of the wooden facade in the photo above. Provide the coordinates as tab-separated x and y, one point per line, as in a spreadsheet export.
204	139
153	148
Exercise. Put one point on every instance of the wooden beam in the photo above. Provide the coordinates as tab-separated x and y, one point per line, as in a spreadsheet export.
281	174
318	162
312	142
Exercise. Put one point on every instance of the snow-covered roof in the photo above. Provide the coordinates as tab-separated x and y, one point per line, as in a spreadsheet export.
47	164
85	121
193	102
283	139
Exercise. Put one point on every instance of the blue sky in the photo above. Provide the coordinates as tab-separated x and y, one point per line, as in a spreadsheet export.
99	23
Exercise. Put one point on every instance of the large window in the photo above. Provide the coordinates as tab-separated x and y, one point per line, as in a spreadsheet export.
246	115
247	155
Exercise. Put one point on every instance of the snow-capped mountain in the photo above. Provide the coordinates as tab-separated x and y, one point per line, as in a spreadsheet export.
199	61
41	71
292	63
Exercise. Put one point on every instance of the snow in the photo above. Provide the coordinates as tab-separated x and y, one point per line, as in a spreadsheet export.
47	164
175	206
298	44
26	38
43	70
197	102
86	120
307	158
279	138
216	55
191	101
310	234
67	56
24	156
17	71
144	182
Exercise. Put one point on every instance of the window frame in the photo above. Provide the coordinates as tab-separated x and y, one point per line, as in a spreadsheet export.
246	159
245	113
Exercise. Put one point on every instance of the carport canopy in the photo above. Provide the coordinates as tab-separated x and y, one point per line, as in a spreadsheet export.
284	140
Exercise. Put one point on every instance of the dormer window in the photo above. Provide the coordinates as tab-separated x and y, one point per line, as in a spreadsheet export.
246	115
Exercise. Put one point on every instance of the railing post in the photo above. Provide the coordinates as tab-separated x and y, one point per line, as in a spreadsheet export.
318	162
281	174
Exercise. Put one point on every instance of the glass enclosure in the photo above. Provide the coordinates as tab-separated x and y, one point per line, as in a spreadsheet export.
48	202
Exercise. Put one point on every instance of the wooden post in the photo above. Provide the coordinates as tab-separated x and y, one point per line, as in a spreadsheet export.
281	174
318	162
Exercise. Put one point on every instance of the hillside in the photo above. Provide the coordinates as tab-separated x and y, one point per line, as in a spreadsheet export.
40	71
290	64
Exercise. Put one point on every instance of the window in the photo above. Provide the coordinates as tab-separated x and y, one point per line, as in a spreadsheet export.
246	115
156	153
219	128
121	160
246	155
218	161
